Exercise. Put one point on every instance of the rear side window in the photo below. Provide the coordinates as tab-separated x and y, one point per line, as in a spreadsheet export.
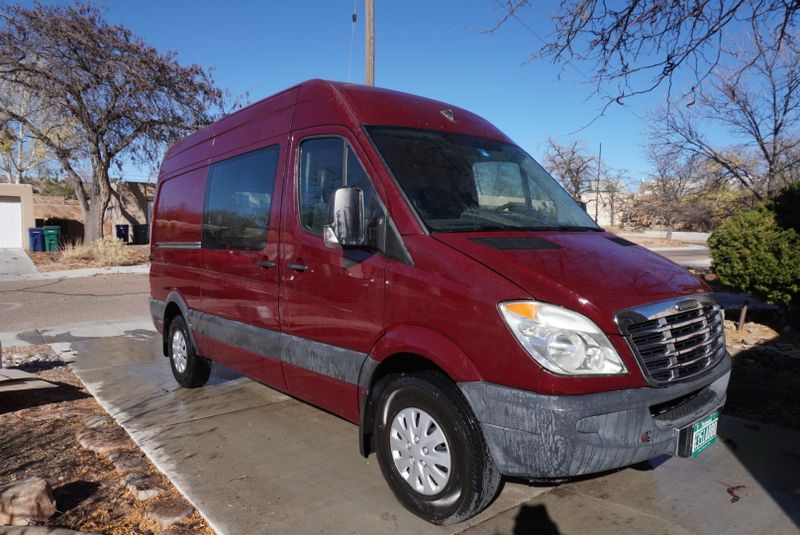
327	164
238	200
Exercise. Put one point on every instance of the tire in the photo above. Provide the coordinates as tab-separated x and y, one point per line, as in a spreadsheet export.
443	496
189	369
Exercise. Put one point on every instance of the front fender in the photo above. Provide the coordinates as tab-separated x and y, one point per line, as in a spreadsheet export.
435	347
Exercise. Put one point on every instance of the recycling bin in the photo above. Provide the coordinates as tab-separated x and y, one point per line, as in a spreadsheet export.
35	240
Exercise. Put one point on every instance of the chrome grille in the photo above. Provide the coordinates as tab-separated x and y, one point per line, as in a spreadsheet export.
679	340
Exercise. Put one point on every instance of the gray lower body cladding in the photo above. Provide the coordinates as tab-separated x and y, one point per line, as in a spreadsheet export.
538	436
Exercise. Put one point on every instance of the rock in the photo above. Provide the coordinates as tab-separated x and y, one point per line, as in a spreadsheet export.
102	441
142	486
165	513
26	501
97	421
128	462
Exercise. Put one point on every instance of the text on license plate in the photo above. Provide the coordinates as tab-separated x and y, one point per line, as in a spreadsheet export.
704	433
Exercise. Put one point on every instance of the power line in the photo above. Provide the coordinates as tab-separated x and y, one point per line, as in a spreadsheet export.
580	73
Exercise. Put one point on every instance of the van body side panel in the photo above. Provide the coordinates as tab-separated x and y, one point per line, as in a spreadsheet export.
331	394
175	245
189	153
447	292
254	127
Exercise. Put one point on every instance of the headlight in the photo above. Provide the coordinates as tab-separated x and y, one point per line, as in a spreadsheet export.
562	341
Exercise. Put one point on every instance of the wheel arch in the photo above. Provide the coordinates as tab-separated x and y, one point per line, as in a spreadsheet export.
403	350
175	305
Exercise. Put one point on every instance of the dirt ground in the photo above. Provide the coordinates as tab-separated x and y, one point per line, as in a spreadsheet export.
137	254
38	439
766	374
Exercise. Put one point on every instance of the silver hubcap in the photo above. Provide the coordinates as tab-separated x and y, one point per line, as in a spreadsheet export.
420	451
179	354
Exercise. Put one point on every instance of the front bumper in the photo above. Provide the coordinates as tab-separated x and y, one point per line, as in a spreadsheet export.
539	436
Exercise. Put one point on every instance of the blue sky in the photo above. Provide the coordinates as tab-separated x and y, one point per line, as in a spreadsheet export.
434	49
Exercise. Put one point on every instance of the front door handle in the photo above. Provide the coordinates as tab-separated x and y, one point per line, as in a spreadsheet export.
297	267
266	264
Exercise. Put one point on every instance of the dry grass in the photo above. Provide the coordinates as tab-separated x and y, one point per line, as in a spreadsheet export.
109	251
103	253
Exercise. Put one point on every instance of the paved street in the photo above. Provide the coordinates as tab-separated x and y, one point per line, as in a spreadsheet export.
693	256
30	304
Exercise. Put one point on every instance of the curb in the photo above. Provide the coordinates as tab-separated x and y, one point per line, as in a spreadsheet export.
78	273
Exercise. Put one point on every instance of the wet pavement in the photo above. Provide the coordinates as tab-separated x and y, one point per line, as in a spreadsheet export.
253	460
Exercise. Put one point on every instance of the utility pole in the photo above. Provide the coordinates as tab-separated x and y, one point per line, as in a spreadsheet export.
369	59
597	188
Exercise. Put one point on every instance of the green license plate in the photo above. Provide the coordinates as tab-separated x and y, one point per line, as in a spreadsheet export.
704	433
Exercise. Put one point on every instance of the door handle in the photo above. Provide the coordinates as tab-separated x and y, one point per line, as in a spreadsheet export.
297	267
266	264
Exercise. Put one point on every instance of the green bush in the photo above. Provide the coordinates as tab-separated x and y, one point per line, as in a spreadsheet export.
753	252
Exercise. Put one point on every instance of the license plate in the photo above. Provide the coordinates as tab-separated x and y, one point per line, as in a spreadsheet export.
703	434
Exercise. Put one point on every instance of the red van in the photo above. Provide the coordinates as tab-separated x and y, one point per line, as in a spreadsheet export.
401	263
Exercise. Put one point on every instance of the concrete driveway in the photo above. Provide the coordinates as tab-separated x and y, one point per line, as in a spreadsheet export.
253	460
15	263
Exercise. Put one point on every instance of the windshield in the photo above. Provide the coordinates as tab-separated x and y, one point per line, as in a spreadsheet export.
461	183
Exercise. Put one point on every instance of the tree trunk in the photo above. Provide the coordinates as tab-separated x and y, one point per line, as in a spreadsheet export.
101	195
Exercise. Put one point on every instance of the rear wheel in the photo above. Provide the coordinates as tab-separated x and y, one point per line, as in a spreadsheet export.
189	369
431	450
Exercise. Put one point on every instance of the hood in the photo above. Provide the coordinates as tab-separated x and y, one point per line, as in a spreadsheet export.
594	273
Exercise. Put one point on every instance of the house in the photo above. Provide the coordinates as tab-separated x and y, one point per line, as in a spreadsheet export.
21	208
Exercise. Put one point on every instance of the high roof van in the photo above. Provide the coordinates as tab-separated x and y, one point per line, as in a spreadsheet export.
401	263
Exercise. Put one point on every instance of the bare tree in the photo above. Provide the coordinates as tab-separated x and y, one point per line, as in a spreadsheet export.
612	191
571	165
673	183
22	157
634	47
759	103
122	99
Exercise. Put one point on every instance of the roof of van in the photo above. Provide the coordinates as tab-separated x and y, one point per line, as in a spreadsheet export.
322	102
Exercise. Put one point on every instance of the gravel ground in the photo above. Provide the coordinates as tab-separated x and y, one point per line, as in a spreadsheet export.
38	439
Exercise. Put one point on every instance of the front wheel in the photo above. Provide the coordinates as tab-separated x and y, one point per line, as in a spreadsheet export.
189	369
431	450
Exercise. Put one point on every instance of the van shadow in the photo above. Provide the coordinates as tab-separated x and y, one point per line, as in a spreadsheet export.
763	393
534	519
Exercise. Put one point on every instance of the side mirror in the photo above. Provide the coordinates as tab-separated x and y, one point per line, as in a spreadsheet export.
347	226
582	205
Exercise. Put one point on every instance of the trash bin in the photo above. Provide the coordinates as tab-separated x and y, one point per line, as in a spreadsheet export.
141	234
123	232
35	240
51	235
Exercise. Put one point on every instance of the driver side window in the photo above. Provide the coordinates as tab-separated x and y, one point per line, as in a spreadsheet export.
327	164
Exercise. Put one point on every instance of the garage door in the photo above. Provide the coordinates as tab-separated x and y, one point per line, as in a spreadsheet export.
10	223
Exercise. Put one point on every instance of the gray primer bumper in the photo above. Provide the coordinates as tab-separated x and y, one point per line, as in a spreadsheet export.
539	436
